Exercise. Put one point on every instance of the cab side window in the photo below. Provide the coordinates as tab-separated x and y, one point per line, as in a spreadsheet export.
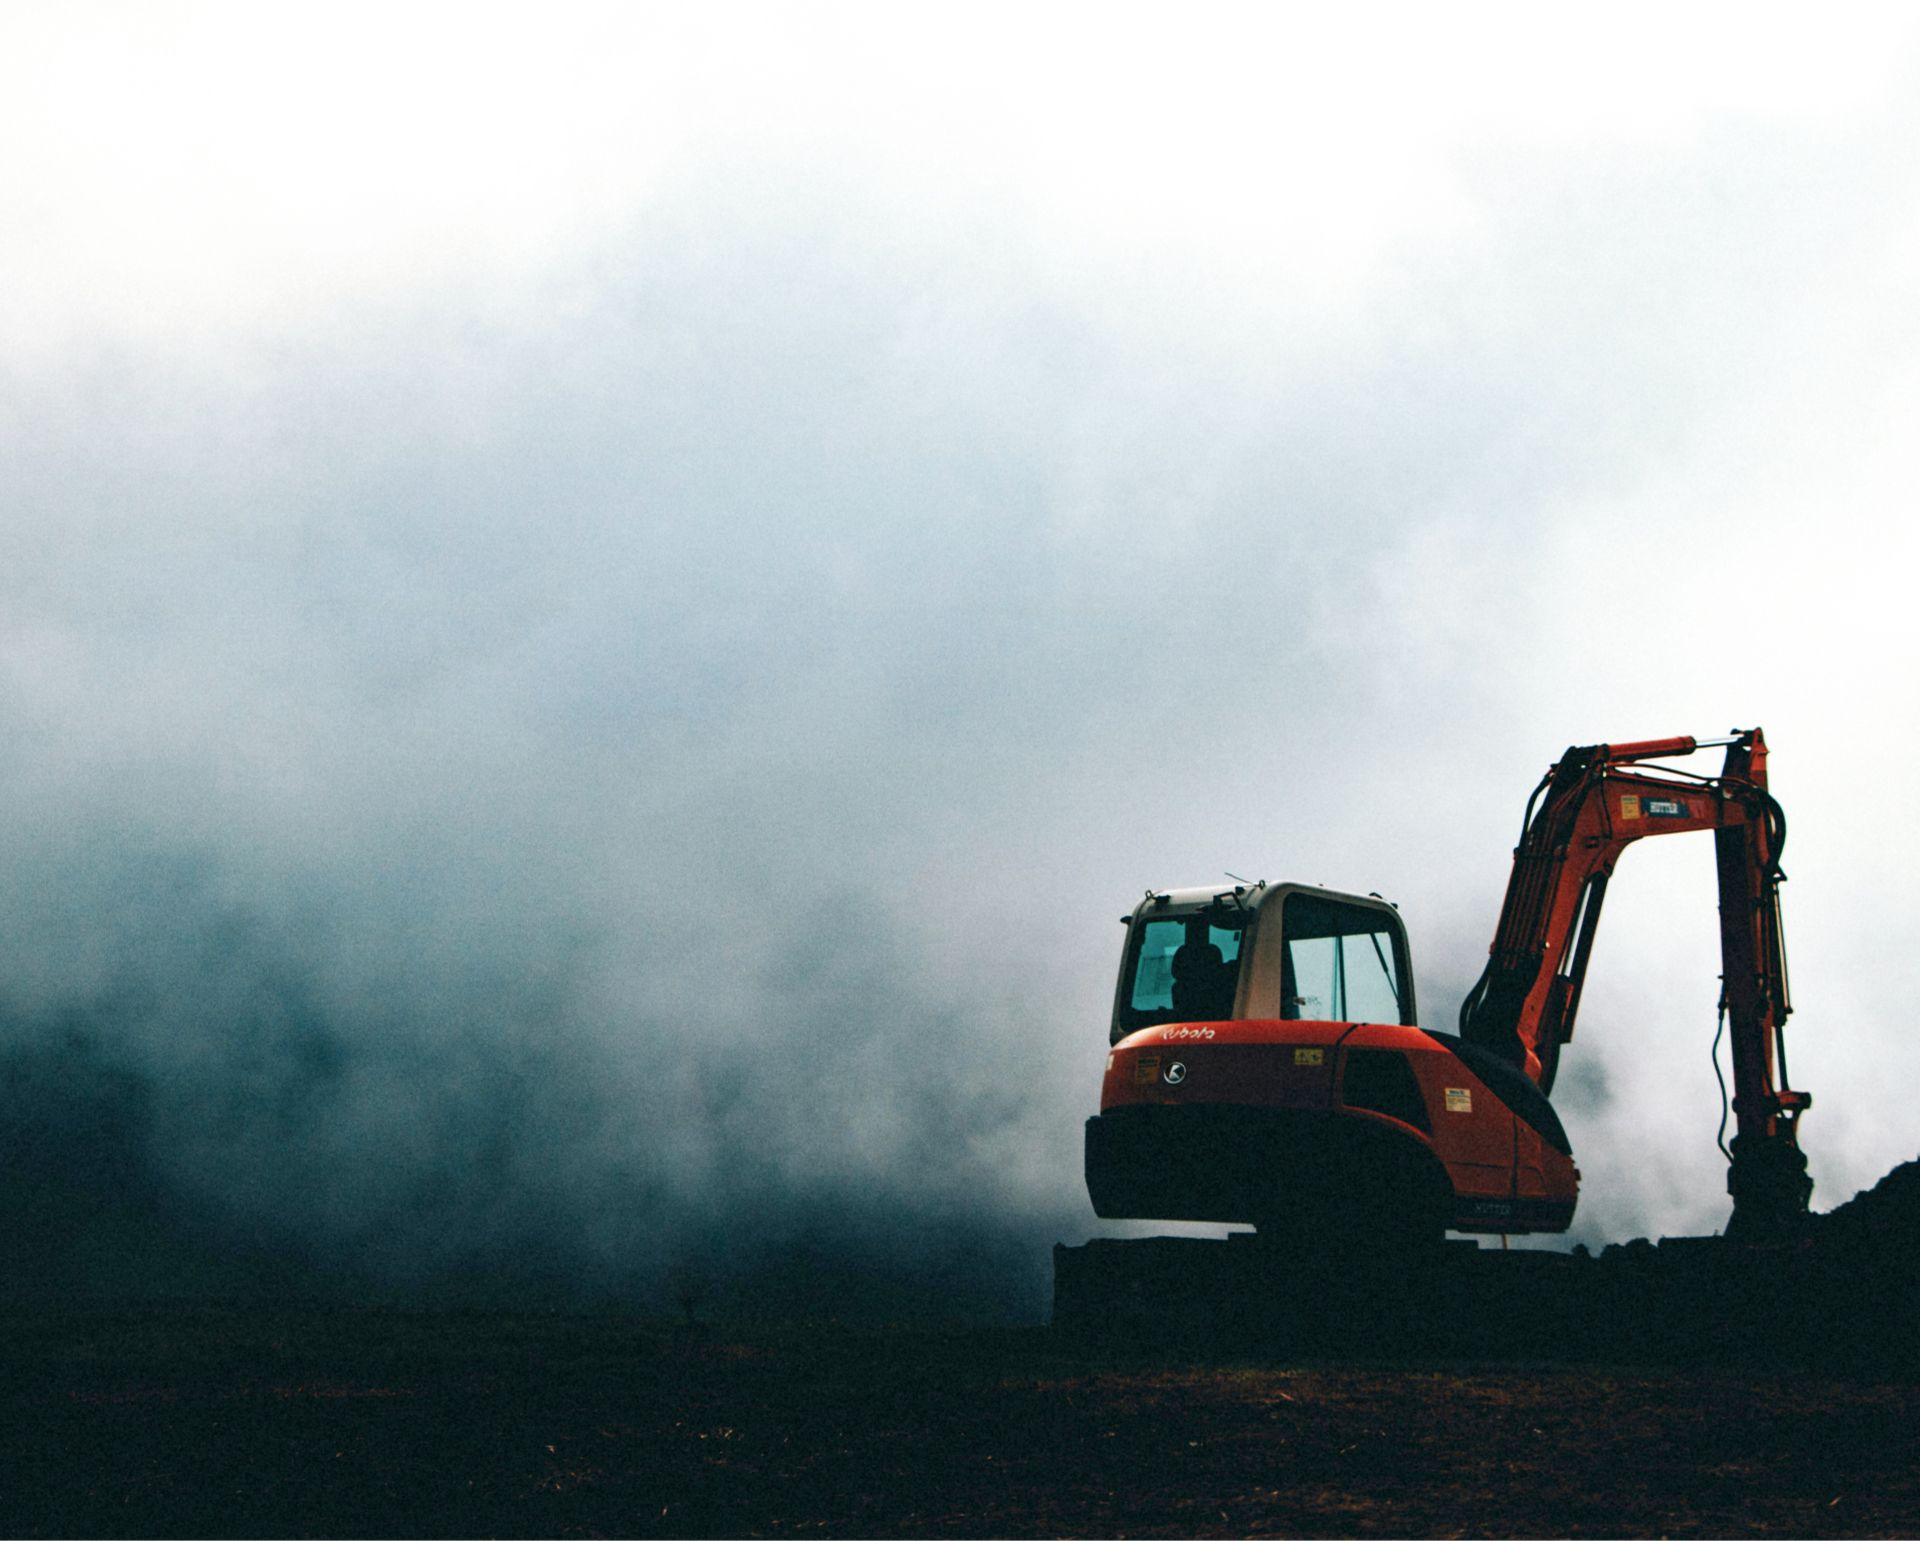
1339	963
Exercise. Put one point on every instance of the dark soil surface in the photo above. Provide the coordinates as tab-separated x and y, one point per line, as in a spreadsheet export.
249	1421
1692	1387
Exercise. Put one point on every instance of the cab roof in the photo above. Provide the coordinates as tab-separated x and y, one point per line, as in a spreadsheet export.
1251	897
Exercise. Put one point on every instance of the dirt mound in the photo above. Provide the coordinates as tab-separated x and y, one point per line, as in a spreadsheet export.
1885	1217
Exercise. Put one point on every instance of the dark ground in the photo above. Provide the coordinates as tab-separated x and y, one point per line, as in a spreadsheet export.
201	1420
1679	1389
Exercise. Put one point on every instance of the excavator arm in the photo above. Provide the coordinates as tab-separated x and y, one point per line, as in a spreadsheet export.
1591	805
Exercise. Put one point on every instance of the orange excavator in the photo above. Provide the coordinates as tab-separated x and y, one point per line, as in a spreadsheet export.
1267	1066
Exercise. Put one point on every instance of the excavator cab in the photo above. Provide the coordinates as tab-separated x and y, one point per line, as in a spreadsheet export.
1290	952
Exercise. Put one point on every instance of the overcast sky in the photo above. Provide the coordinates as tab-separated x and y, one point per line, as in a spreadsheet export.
600	608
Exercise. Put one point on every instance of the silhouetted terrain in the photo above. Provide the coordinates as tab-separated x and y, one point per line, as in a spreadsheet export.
1683	1388
222	1421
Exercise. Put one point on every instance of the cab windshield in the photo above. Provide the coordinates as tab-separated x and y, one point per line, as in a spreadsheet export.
1182	968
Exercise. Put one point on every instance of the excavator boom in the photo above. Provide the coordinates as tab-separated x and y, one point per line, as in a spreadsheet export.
1592	804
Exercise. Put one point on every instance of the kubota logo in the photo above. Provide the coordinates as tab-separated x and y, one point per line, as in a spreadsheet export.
1170	1034
1174	1074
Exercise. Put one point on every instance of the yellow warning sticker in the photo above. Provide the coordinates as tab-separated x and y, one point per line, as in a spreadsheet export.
1309	1056
1459	1099
1146	1070
1630	805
